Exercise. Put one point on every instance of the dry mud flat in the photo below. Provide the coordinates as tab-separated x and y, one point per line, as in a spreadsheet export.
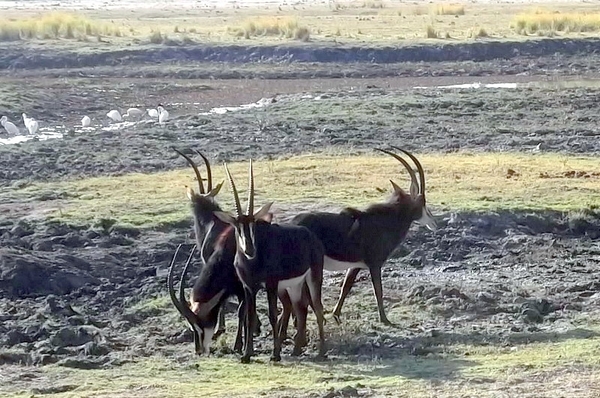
78	296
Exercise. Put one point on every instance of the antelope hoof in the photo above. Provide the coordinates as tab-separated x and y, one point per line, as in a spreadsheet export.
245	359
337	319
276	358
387	322
322	356
218	333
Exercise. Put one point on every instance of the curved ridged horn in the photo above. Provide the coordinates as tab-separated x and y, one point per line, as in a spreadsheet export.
411	172
208	171
419	169
250	208
236	197
180	304
191	162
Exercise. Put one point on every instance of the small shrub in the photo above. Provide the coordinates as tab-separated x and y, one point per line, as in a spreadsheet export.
373	4
272	26
545	22
156	37
449	9
481	32
430	33
53	25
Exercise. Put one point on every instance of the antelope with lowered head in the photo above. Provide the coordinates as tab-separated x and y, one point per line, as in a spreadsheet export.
364	239
217	280
283	258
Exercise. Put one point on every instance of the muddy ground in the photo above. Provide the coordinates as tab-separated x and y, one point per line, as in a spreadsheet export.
72	295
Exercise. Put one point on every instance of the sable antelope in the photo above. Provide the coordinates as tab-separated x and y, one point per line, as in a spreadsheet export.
217	280
356	239
203	207
284	258
211	289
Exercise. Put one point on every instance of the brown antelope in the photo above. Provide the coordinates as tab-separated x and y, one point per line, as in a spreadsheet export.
364	239
283	258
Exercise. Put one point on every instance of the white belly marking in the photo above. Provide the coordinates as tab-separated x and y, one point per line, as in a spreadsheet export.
334	265
287	283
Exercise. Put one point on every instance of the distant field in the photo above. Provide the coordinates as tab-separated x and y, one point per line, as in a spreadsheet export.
375	21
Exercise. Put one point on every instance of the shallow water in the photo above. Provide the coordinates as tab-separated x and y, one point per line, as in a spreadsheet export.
58	131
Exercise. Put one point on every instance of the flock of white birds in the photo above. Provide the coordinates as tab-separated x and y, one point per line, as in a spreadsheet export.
32	125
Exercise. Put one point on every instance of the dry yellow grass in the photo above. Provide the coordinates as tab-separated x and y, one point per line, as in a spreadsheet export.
283	27
384	22
55	25
547	22
448	9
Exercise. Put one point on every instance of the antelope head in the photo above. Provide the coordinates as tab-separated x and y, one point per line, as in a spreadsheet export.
416	197
201	316
203	197
245	223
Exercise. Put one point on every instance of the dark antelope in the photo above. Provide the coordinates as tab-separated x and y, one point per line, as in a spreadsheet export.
284	258
217	280
356	239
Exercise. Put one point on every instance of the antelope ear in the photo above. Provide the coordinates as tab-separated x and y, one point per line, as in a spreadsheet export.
190	193
397	189
215	191
263	213
225	217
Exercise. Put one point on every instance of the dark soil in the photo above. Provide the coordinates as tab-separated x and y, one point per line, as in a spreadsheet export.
71	295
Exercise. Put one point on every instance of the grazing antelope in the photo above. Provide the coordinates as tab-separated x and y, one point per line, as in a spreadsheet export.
208	294
211	234
284	258
356	239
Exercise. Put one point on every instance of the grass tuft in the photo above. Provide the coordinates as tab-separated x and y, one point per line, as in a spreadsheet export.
285	27
539	22
55	25
448	9
431	33
156	37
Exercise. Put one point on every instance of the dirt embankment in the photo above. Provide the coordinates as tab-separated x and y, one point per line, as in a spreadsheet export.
23	57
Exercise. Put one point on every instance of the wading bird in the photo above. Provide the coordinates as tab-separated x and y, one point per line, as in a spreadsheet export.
9	126
163	115
31	124
114	115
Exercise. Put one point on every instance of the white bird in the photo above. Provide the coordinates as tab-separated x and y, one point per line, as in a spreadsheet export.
86	121
134	112
114	115
152	113
9	126
31	124
163	115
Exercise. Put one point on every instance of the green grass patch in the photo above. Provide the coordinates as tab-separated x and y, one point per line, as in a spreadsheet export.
477	371
462	181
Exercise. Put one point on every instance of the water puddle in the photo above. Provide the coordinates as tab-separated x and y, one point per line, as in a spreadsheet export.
525	83
43	135
261	103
